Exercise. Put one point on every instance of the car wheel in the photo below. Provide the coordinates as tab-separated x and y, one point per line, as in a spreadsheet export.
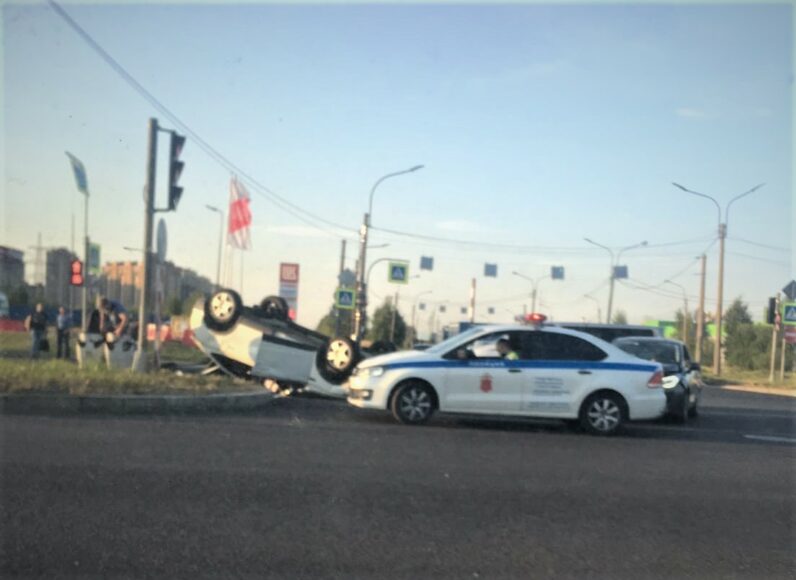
222	310
412	403
693	410
274	307
602	413
681	415
337	360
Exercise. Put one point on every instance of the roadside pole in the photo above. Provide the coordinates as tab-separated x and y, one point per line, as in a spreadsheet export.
394	312
472	302
337	313
701	314
140	362
774	344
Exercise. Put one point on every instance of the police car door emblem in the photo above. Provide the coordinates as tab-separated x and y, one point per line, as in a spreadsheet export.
486	382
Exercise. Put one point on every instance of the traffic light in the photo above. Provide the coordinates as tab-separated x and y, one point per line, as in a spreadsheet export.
76	277
772	311
175	170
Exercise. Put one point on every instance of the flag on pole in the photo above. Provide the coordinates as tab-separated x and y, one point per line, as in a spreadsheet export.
80	173
240	217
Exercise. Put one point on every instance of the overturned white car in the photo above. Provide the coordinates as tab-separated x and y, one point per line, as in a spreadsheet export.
261	343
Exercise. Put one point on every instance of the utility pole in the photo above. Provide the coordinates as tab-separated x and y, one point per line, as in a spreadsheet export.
337	313
140	362
472	302
392	322
774	343
701	314
722	236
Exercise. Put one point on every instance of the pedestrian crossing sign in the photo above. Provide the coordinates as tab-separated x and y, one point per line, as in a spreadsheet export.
345	298
789	313
398	273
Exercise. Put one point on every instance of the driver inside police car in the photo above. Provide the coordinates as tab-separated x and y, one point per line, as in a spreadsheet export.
504	349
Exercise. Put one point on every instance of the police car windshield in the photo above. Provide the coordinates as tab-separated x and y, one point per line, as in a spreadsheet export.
662	352
449	343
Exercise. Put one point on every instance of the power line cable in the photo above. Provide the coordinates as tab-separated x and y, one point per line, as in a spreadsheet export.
265	192
759	245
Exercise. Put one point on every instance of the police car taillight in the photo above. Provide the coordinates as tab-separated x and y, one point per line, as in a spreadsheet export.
535	318
656	381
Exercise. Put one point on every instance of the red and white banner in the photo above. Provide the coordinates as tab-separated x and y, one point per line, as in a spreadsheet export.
790	334
240	216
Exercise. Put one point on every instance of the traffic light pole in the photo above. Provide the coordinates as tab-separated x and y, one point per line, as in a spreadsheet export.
84	306
140	362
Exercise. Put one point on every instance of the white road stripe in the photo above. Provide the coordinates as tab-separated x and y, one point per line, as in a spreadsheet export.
767	438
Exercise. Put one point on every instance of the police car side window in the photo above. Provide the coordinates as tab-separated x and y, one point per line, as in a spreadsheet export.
565	347
533	346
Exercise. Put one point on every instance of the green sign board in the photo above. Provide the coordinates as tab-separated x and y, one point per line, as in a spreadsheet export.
398	273
94	259
345	298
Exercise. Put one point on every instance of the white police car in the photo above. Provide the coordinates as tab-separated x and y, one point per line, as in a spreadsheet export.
558	373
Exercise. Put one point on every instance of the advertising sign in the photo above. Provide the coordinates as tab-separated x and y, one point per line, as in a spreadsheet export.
288	286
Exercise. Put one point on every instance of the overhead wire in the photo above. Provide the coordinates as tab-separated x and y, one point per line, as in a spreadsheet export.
265	192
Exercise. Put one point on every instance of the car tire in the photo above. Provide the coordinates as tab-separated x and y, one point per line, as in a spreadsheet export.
337	359
274	307
603	413
693	410
222	310
412	403
681	416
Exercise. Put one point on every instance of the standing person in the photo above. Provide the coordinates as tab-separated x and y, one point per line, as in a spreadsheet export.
36	323
63	326
113	317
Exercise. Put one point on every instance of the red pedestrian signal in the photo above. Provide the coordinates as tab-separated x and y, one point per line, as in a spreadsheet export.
76	278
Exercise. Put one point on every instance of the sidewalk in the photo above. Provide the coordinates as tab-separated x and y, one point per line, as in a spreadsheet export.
759	389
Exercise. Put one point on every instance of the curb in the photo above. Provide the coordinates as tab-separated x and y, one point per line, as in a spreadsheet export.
780	392
37	404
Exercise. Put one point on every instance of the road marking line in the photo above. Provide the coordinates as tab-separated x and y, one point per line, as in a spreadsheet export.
760	390
767	438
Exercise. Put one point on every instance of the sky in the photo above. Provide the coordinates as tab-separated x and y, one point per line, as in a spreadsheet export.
538	125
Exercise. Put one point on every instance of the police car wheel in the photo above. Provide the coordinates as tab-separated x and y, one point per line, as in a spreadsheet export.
222	310
274	307
602	414
412	403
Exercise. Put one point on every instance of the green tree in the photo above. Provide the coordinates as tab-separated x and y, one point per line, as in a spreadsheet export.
620	317
328	323
174	306
691	328
382	323
735	316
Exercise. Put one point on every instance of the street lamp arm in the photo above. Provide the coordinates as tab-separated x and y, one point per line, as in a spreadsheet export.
375	185
367	276
606	248
633	247
736	198
716	203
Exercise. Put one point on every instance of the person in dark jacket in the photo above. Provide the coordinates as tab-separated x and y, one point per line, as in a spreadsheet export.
36	323
63	326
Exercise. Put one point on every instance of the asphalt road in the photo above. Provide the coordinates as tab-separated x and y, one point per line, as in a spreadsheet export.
309	488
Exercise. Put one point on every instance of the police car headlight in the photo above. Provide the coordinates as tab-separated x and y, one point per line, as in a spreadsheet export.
371	372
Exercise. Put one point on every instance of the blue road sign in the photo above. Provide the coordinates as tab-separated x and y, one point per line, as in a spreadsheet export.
557	272
345	298
490	270
398	273
426	263
620	272
789	313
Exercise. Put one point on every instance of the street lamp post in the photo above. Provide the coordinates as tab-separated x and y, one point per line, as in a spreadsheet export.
220	243
613	270
414	311
597	302
722	236
685	309
534	285
360	313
